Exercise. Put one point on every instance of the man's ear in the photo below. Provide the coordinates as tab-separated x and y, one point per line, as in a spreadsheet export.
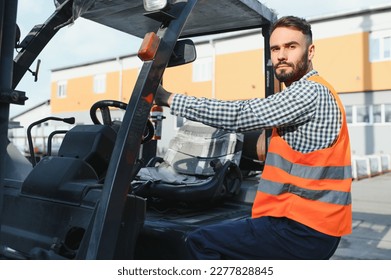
311	52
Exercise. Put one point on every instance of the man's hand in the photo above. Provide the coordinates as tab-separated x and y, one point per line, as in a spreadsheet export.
163	97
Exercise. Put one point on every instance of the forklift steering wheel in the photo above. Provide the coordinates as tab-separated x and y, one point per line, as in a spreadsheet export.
104	105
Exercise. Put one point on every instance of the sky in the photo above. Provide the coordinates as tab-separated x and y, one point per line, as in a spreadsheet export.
85	41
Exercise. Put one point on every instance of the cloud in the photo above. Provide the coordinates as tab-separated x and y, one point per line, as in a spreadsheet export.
33	7
85	40
34	12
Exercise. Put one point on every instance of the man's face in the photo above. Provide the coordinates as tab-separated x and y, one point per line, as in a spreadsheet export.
291	56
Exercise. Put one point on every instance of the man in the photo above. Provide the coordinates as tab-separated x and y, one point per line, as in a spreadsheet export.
303	203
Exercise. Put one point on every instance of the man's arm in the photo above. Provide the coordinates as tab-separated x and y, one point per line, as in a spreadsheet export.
289	107
163	97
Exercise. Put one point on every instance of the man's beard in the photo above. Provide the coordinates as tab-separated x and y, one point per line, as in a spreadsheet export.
297	72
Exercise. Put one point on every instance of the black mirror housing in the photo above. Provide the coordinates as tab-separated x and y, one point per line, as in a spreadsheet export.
184	52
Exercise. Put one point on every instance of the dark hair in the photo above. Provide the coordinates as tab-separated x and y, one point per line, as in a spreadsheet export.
295	23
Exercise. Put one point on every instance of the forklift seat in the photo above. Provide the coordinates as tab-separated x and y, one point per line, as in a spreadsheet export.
80	165
91	143
200	165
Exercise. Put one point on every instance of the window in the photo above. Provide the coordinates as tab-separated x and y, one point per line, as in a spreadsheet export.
376	113
362	114
387	113
202	69
380	45
368	114
100	83
387	47
349	114
61	89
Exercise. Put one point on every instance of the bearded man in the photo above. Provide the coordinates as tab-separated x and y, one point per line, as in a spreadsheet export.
303	202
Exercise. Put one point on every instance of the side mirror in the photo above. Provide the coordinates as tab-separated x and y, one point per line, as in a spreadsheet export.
184	52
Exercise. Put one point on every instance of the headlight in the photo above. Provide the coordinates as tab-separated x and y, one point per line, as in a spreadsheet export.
154	5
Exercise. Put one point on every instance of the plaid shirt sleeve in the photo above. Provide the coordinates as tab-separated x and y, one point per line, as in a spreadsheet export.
305	114
289	107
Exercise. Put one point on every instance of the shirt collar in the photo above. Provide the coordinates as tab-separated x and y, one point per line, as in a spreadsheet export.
309	74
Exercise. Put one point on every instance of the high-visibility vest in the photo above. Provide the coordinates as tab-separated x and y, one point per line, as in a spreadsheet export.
310	188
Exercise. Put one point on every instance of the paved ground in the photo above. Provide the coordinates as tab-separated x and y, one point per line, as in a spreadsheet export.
371	237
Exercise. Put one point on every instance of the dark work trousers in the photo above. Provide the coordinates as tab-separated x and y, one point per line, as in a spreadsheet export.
261	238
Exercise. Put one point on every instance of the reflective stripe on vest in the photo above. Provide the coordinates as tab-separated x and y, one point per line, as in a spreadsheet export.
309	172
329	196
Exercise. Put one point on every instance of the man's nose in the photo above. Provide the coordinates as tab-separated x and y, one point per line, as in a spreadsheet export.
282	55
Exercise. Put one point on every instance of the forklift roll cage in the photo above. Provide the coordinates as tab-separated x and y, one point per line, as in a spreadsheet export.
184	19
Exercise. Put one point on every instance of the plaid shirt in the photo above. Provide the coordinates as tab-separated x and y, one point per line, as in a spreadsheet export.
305	113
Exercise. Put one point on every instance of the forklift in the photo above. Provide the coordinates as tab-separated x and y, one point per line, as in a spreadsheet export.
87	202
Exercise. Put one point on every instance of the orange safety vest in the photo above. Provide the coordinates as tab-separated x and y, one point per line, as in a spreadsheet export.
311	188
